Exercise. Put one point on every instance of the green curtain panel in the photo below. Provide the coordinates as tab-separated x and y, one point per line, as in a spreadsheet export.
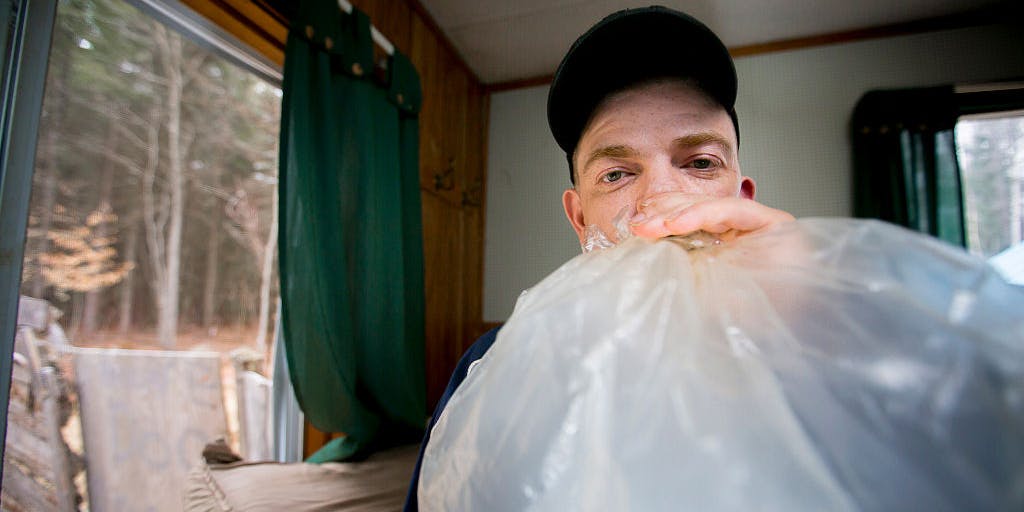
904	161
351	249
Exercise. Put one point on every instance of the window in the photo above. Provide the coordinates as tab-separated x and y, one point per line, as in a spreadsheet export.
990	150
149	280
947	161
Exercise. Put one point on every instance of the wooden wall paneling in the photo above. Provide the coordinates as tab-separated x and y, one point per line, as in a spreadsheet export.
312	439
425	55
471	224
455	96
450	90
438	235
440	240
476	129
442	39
455	90
472	208
393	18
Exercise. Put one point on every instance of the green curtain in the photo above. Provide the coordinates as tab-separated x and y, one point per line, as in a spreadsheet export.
904	160
351	249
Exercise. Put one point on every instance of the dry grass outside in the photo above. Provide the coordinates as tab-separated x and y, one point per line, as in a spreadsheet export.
221	339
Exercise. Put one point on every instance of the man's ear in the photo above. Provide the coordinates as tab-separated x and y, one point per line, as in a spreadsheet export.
747	188
574	211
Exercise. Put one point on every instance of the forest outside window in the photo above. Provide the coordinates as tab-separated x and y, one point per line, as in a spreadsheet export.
990	150
149	284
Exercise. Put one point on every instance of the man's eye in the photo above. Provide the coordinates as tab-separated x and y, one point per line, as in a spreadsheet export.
703	163
612	176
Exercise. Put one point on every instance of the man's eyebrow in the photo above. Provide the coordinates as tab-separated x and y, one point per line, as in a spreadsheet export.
702	138
618	151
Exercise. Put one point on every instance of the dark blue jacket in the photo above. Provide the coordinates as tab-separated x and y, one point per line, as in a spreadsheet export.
475	352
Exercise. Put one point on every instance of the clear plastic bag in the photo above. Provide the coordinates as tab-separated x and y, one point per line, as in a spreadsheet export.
829	364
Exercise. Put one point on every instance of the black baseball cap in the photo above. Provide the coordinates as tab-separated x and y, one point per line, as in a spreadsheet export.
631	46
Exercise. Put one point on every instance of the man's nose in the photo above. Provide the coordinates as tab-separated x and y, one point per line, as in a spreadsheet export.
659	179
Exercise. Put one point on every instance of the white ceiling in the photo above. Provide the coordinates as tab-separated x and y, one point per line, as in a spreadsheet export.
504	40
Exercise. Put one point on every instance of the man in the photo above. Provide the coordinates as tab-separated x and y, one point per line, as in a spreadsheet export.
643	106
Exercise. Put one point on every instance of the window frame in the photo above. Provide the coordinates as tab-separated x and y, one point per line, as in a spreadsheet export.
26	58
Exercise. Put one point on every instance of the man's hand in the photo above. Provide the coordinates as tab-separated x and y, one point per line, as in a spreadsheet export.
681	214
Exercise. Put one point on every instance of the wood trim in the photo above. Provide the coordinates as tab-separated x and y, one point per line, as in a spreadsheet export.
970	19
248	22
272	11
963	20
267	24
518	84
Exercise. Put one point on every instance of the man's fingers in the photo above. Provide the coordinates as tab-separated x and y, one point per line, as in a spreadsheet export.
742	215
728	216
668	203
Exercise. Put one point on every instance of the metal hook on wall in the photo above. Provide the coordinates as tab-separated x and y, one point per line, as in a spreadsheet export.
445	180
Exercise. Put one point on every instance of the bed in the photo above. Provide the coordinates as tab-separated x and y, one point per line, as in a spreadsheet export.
376	484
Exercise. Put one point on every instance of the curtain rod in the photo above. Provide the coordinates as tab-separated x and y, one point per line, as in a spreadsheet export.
374	33
987	87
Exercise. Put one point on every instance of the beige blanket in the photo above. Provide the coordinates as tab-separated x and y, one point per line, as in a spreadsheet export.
377	484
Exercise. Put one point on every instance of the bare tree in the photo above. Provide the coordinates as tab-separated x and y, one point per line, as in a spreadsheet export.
212	273
265	276
92	297
126	294
193	139
164	226
167	323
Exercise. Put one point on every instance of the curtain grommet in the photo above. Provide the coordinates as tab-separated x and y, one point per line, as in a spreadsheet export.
357	69
309	31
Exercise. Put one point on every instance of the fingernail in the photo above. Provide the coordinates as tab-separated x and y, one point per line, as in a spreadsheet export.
638	218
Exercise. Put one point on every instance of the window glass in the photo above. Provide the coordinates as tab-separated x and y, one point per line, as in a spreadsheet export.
149	285
991	155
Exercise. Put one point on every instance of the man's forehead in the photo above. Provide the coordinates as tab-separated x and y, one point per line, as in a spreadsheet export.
687	105
682	111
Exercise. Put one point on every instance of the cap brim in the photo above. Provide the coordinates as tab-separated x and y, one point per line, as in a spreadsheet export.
631	46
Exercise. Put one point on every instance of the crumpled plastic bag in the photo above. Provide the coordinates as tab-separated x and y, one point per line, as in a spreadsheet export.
829	364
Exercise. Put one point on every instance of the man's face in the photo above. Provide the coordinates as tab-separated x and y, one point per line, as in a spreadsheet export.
664	142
